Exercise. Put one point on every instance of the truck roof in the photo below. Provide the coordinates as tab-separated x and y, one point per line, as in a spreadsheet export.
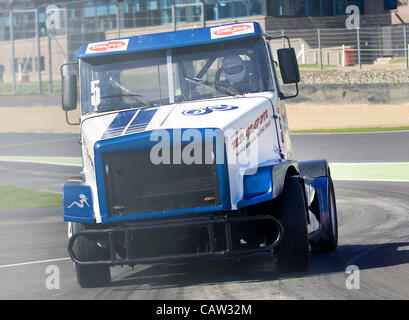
171	39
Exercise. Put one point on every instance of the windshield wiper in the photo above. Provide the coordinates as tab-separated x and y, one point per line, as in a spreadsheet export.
121	94
121	87
132	95
213	85
125	93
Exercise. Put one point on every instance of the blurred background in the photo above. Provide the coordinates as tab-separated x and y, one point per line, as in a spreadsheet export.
37	36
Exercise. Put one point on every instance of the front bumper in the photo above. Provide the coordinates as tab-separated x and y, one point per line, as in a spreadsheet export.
208	222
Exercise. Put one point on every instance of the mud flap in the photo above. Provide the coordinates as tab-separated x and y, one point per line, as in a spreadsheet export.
316	174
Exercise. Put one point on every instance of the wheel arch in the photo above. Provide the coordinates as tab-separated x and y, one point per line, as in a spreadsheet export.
268	182
311	170
280	173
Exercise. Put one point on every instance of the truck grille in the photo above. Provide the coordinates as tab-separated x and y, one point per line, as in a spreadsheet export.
134	185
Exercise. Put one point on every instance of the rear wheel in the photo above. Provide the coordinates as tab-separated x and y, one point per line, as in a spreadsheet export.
292	254
88	249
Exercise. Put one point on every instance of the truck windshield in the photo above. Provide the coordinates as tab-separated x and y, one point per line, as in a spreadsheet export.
155	78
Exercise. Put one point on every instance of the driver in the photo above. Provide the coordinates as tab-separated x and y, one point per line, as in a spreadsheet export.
236	73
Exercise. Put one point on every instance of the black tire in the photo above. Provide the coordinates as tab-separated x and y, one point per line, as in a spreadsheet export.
330	241
292	254
87	249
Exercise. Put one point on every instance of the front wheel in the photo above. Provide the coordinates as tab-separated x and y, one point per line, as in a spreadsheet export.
88	249
292	254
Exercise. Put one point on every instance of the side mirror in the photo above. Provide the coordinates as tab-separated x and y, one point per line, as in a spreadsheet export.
288	65
69	92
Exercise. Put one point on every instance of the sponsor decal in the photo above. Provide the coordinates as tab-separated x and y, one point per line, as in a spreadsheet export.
254	126
207	110
231	30
88	155
107	46
83	200
245	136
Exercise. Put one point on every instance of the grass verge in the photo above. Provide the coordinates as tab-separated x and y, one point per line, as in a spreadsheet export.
12	197
30	87
397	60
352	130
370	171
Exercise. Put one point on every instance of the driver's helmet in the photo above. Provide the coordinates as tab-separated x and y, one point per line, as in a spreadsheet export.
234	68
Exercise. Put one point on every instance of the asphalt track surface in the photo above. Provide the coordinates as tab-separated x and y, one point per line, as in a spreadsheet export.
373	235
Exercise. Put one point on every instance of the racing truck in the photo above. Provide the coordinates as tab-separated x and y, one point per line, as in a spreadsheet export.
187	154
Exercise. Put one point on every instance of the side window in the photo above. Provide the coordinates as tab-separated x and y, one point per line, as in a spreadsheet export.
273	67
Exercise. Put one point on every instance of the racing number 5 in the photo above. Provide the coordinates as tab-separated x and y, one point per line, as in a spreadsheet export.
95	93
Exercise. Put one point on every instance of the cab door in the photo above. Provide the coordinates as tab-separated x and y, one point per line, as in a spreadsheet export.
279	109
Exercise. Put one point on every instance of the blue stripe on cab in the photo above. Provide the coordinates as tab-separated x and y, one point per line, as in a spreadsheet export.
141	121
118	125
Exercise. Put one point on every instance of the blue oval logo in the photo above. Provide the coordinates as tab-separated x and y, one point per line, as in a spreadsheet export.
207	110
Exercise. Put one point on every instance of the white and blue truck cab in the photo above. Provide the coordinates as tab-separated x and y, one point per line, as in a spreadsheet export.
186	154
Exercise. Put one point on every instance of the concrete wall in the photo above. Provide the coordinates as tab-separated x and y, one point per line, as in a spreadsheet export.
373	93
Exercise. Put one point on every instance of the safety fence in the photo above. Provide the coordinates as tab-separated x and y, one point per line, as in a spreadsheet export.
34	43
342	47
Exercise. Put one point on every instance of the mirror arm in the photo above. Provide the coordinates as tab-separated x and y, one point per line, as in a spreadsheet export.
283	97
280	37
69	122
280	94
66	64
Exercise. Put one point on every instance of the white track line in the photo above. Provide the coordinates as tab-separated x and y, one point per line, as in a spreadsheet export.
363	132
365	163
34	142
33	262
66	164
